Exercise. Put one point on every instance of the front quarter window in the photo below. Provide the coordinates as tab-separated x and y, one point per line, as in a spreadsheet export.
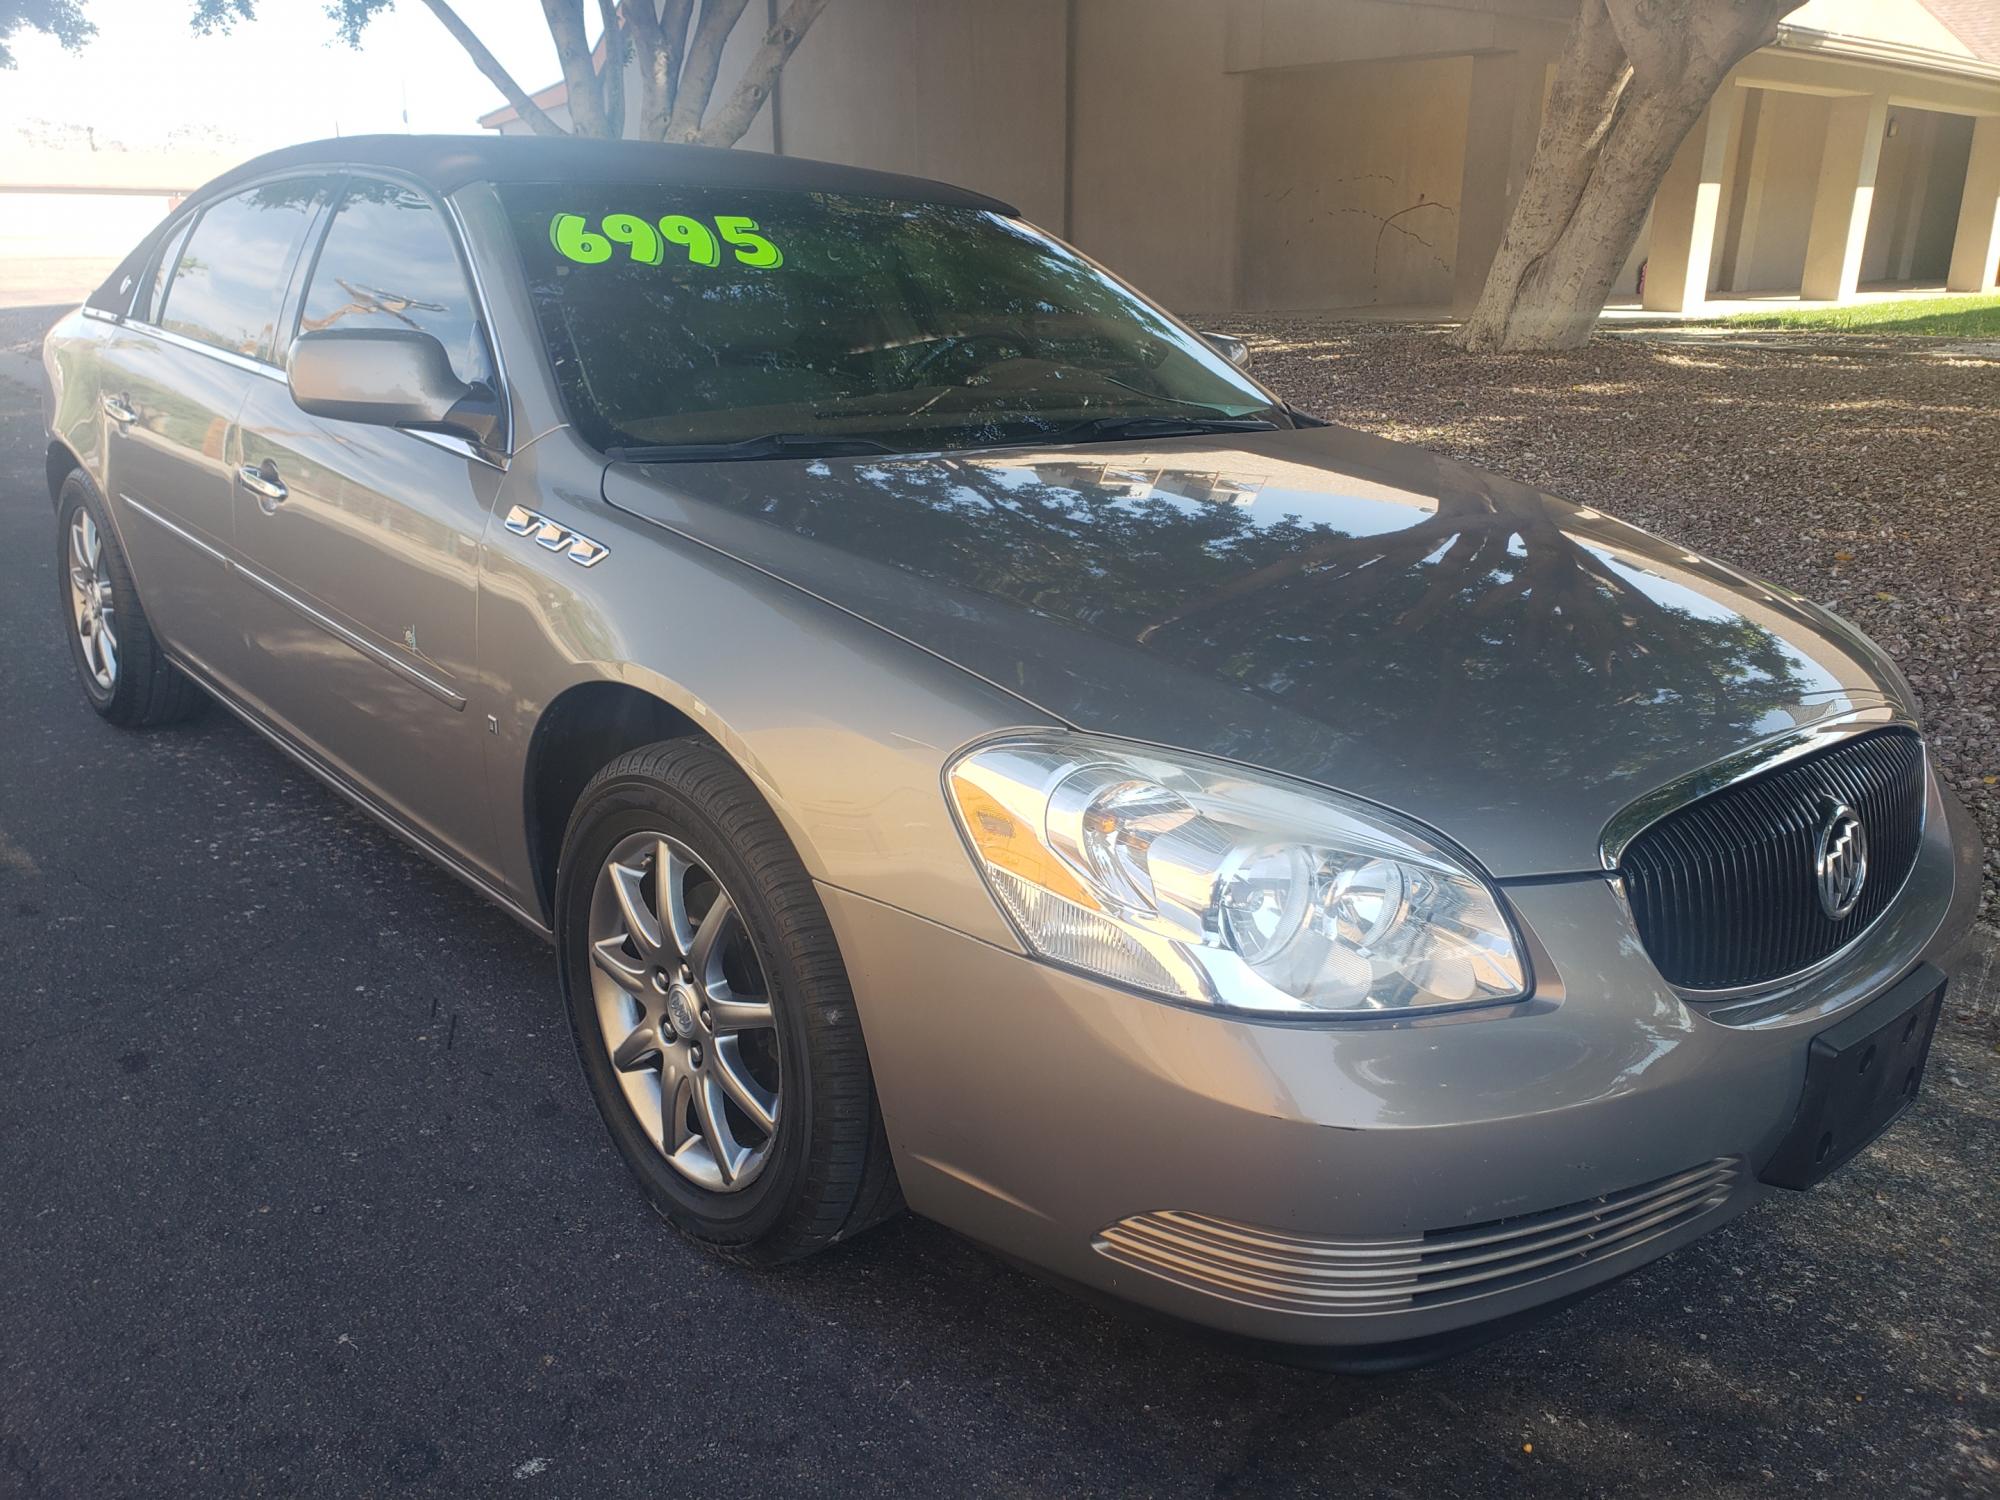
705	318
388	261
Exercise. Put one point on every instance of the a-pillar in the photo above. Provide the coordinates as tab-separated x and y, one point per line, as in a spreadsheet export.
1976	250
1846	193
1682	242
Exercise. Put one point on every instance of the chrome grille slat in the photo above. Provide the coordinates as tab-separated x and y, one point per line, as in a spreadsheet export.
1424	1267
1272	1268
1723	890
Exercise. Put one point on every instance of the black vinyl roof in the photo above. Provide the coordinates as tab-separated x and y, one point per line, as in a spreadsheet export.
449	162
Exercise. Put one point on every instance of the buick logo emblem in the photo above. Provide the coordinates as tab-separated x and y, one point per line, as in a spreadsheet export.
1840	859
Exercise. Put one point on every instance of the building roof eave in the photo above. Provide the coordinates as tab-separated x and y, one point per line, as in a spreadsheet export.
1878	50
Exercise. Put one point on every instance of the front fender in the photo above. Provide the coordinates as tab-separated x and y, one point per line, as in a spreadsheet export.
844	728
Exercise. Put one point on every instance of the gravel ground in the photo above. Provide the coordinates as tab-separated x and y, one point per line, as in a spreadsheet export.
1866	477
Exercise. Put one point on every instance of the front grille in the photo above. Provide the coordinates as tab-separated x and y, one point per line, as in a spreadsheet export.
1725	891
1283	1272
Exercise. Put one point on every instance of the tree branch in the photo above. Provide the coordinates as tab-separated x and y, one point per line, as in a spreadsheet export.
780	42
487	63
612	76
586	99
704	60
659	34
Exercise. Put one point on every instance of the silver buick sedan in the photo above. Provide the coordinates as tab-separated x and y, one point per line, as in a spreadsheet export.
971	745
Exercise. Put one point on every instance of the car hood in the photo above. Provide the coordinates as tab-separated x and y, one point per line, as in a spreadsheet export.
1504	666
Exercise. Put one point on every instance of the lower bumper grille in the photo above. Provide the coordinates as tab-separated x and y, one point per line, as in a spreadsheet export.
1271	1269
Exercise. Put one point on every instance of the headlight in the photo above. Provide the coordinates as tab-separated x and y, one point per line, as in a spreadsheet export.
1216	885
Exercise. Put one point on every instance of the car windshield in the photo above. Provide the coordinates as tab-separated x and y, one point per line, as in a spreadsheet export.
721	323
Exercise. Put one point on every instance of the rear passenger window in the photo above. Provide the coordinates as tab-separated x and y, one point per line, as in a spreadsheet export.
389	262
230	280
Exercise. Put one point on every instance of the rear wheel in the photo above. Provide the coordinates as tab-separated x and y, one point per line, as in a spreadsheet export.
711	1010
125	675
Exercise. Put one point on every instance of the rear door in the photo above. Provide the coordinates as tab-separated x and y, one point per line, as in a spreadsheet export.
173	378
360	544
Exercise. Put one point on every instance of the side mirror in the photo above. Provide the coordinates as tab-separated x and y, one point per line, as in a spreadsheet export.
388	377
1230	348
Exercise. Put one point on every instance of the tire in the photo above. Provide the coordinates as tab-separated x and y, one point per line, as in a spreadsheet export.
143	689
824	1173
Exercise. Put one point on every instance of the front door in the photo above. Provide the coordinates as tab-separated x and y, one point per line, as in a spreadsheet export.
360	545
172	380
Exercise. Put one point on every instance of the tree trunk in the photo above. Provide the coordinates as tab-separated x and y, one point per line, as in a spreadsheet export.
1633	78
677	72
780	42
586	97
659	36
704	60
611	77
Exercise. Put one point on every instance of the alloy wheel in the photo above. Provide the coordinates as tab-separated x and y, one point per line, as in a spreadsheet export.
684	1005
90	600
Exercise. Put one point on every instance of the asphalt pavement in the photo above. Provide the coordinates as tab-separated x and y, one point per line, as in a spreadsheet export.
301	1193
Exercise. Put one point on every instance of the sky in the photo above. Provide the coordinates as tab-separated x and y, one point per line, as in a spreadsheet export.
145	81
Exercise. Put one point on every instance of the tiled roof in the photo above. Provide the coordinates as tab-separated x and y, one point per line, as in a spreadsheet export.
1974	22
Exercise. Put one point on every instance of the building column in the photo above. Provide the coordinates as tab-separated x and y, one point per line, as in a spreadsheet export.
1501	119
1685	208
1846	193
1977	247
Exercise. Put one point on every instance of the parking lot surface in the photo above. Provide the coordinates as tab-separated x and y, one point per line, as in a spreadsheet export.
301	1194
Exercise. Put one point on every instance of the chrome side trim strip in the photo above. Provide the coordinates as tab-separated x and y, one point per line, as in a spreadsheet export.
451	443
228	357
1636	817
366	647
450	863
175	527
438	690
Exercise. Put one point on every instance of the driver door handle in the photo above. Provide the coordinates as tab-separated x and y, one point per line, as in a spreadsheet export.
263	482
116	409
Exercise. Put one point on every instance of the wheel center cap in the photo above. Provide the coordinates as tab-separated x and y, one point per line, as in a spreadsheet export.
681	1011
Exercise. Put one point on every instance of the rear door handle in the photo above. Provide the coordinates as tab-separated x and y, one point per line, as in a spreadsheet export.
116	409
262	481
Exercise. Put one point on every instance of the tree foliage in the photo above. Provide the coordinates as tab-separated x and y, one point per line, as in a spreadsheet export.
677	44
62	19
1633	78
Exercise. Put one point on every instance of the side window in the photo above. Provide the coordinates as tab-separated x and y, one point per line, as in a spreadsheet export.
230	281
389	262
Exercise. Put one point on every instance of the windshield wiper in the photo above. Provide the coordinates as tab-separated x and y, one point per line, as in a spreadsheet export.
1110	429
770	445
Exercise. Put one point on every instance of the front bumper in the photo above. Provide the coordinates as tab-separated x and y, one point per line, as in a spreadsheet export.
1194	1164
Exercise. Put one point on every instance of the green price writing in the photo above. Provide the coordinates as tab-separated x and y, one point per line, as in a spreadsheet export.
646	243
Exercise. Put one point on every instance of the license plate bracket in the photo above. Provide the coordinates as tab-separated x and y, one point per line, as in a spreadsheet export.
1860	1075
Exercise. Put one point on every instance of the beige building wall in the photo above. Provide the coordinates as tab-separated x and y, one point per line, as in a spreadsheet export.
1157	145
1778	199
1917	186
986	81
1373	222
1349	153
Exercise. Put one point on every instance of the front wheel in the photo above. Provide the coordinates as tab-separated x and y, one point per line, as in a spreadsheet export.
711	1010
